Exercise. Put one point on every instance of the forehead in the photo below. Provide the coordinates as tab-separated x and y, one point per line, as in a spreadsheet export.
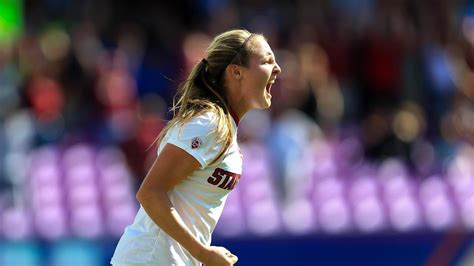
260	47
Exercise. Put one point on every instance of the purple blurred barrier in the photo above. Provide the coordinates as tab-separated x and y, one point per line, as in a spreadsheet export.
86	221
432	187
334	215
398	192
364	169
369	215
396	187
392	168
462	185
79	154
51	221
263	218
256	165
80	175
404	213
439	212
321	152
86	194
299	217
117	193
118	216
326	189
45	195
261	209
232	221
460	176
461	180
256	191
362	188
438	209
45	175
467	212
115	173
15	224
298	176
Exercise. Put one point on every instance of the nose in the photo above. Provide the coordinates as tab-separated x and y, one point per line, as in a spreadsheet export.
276	69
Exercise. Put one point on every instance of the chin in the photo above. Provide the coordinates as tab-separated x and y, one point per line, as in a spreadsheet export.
262	103
269	103
266	104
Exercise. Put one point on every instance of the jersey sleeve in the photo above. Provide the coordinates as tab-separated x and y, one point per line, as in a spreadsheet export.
195	138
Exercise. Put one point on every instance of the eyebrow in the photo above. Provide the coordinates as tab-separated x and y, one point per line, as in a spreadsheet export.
268	54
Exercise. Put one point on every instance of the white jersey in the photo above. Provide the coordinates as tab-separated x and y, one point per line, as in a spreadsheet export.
199	199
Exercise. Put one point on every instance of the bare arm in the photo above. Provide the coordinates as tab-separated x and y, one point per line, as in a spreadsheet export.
171	167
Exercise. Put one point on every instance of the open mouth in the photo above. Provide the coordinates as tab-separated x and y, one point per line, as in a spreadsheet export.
268	87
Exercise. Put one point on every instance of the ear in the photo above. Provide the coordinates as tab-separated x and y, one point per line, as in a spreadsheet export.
234	71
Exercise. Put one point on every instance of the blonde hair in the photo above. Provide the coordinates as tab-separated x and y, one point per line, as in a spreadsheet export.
203	90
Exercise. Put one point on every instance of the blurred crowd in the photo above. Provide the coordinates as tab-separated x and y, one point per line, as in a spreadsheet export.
365	85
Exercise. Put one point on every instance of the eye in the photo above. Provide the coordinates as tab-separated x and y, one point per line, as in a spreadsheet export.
269	61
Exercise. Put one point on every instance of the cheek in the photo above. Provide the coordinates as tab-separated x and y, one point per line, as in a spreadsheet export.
259	84
254	80
262	76
257	78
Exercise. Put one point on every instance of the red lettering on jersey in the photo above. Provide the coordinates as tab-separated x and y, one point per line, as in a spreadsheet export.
230	179
216	176
235	181
231	182
229	175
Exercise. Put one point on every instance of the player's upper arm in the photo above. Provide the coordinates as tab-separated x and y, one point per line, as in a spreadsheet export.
172	166
197	137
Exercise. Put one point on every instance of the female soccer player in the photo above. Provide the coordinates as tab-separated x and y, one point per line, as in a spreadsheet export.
199	161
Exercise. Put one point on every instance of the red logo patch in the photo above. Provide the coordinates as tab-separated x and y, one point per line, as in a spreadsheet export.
196	143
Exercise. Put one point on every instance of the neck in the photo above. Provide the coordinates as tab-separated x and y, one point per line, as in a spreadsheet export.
237	109
238	105
234	115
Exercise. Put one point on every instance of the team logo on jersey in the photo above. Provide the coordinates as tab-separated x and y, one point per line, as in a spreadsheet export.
196	143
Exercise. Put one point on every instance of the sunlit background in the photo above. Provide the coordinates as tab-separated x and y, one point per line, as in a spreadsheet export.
366	156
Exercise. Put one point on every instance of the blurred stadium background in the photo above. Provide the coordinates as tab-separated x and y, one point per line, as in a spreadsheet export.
365	158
